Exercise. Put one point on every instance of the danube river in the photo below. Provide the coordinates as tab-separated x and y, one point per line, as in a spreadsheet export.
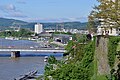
11	68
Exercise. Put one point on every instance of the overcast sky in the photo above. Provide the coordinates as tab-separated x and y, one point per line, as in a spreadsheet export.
46	10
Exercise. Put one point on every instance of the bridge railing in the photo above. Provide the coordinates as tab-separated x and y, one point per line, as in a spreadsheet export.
29	48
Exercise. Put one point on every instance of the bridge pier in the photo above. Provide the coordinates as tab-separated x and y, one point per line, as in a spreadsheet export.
15	54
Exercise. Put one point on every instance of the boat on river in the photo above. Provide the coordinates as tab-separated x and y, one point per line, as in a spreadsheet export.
11	38
27	76
45	58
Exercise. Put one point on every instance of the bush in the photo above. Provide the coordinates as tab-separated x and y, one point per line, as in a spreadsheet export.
112	46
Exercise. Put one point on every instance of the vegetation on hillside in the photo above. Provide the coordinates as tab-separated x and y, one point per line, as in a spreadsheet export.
112	46
80	63
6	23
112	55
21	33
77	65
68	33
66	25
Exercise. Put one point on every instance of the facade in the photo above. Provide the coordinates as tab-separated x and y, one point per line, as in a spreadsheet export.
63	38
38	28
46	36
108	31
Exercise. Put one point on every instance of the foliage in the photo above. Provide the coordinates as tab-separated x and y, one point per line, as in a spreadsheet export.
117	75
115	72
52	60
21	33
82	38
49	68
77	42
112	46
79	68
63	33
4	22
92	25
69	47
101	77
66	25
107	13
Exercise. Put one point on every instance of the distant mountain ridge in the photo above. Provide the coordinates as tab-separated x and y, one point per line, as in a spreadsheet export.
6	23
11	22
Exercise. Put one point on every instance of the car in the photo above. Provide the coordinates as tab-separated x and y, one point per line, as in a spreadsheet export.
57	48
10	46
31	47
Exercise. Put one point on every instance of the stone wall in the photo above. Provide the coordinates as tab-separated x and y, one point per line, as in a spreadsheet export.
101	55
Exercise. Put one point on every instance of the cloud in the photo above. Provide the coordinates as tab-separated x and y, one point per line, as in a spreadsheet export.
8	8
10	11
1	15
21	2
16	14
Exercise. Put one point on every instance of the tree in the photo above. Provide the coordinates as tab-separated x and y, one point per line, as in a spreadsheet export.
81	68
52	60
23	33
92	23
107	13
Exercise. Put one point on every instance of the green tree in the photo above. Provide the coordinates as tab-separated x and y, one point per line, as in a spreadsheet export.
52	60
80	68
107	13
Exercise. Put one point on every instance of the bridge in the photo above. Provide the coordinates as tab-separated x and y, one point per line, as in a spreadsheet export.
16	46
15	52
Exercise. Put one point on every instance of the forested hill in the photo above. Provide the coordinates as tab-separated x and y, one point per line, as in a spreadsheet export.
68	25
11	22
6	23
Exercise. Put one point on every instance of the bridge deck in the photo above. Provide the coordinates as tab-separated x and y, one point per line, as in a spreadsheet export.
34	50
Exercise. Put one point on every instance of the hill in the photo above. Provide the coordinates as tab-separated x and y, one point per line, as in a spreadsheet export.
6	23
67	25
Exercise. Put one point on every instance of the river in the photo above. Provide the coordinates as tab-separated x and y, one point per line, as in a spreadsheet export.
11	68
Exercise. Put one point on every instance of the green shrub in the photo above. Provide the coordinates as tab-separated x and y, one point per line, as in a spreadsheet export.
112	46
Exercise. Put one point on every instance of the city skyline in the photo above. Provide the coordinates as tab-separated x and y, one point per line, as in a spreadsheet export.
47	10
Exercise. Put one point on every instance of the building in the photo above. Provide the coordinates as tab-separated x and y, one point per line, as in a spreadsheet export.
62	38
46	36
38	28
108	31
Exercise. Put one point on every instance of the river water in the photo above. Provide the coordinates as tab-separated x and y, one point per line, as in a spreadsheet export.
11	68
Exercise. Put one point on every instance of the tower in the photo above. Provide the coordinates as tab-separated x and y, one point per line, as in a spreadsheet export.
38	28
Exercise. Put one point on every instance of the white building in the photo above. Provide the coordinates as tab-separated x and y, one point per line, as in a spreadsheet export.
105	29
38	28
108	31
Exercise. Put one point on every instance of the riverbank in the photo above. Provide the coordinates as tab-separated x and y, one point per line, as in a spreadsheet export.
29	61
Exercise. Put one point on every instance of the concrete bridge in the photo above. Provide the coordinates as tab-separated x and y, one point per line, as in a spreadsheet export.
15	52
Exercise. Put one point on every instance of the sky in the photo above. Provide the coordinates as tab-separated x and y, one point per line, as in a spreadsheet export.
47	10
